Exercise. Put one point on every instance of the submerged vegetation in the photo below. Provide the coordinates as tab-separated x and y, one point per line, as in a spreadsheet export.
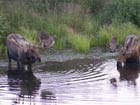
76	24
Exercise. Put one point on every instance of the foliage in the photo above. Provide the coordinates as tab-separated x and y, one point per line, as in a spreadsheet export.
118	30
77	24
95	6
30	35
2	49
80	43
122	11
2	36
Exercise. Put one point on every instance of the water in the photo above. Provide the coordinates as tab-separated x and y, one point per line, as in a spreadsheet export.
73	82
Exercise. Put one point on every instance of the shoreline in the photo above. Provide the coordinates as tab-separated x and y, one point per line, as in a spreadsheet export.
68	54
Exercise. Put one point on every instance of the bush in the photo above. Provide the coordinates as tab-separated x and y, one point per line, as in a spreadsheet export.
95	6
122	11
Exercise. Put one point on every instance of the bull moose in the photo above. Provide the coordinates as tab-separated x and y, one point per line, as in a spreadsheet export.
21	51
130	51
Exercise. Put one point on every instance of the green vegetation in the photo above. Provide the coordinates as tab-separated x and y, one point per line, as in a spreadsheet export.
77	24
119	30
31	35
122	11
80	42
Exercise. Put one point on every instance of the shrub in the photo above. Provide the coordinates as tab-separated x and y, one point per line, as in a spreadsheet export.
95	6
122	11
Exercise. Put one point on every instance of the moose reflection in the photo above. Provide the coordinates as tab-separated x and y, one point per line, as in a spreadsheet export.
25	81
130	71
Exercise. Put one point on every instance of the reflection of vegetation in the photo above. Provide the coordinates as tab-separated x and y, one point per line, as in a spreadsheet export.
98	20
76	64
2	71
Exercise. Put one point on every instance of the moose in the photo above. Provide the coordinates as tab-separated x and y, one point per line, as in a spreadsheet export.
113	45
130	52
21	51
46	40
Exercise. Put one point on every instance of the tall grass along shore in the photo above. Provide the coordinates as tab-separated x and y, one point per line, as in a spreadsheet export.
76	24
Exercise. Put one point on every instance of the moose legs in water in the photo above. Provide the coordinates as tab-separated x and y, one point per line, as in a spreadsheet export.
20	65
130	71
10	61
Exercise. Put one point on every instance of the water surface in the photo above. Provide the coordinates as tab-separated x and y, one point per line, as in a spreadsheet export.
72	82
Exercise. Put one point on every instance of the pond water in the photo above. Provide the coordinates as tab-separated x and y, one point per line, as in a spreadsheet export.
73	82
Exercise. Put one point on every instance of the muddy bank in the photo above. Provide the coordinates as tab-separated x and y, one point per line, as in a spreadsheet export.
61	56
54	57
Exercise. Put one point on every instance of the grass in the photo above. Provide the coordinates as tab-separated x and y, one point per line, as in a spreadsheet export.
71	28
30	35
80	43
120	30
2	49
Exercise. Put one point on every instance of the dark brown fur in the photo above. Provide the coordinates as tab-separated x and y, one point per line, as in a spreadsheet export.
21	51
130	50
130	71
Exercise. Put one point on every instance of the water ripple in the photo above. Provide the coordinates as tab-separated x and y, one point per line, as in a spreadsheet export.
75	82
